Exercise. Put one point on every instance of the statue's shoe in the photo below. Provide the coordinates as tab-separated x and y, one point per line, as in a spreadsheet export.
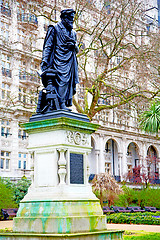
63	107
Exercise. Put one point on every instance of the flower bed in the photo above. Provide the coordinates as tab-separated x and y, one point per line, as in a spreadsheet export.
135	218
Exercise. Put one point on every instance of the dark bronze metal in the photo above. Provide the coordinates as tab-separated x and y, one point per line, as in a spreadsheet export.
59	65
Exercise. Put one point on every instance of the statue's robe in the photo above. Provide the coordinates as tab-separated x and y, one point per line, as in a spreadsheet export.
58	56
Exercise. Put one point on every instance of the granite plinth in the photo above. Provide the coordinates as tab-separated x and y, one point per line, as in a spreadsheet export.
58	114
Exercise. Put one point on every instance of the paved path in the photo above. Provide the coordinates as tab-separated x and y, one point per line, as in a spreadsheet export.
6	224
129	227
146	228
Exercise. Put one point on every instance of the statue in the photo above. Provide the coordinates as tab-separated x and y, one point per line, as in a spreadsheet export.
59	65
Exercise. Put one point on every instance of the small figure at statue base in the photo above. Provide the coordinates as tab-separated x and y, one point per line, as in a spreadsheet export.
48	100
48	96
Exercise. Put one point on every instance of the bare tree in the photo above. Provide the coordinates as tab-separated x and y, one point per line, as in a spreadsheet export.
105	187
118	58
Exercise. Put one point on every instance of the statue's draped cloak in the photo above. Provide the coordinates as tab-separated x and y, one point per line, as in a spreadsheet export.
58	56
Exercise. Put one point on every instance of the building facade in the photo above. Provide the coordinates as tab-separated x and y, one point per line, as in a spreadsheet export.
18	82
118	145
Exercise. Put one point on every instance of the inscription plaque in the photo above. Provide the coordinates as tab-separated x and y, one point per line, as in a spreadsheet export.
76	168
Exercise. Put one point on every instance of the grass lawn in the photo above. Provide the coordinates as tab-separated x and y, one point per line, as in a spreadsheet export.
141	235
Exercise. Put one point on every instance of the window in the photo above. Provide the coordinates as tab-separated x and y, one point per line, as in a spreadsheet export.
22	134
5	94
5	8
6	66
33	72
5	128
27	96
19	164
107	6
7	163
4	30
19	161
148	28
24	16
23	74
22	95
19	95
24	165
22	161
2	163
108	168
24	38
5	160
2	131
103	116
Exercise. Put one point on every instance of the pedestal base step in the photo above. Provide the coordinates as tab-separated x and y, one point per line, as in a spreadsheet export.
60	225
102	235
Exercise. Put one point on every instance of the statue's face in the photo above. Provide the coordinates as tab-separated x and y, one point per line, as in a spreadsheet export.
68	21
71	17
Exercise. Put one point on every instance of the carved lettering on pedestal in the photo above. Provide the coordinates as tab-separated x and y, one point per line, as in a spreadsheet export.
77	138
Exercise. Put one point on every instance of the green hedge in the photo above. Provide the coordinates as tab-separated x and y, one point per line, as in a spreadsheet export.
139	197
19	188
11	193
135	218
6	197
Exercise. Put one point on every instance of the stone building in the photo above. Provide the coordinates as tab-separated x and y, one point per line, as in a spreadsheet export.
18	82
118	145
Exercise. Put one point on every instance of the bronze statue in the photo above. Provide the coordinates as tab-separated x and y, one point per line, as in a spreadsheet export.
59	65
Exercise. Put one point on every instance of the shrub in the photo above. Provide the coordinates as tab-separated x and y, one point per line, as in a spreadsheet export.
129	197
20	189
149	197
6	197
144	197
135	218
105	188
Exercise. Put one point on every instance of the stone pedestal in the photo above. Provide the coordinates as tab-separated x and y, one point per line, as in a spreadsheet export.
60	203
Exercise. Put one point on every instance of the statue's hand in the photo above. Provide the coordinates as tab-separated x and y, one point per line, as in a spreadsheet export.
76	48
43	66
71	46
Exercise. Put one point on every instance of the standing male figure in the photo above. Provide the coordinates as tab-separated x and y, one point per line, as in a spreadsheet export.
59	55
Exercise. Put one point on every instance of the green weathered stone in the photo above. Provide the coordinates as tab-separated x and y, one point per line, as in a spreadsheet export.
60	123
59	217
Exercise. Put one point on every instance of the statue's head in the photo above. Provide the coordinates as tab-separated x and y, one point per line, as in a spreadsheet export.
67	17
